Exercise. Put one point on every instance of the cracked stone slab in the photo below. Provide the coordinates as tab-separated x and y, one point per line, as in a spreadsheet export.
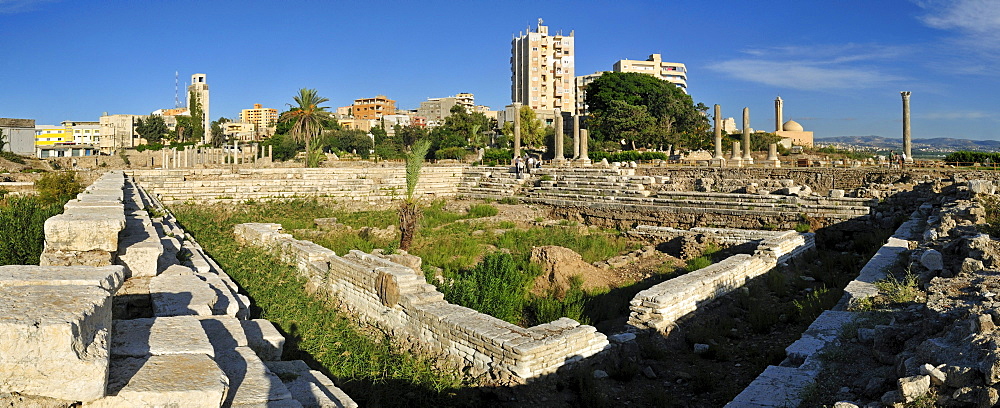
310	387
109	278
160	336
177	380
94	230
55	341
177	295
264	339
250	381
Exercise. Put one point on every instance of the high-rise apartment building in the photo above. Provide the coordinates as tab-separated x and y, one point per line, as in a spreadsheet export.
673	72
542	69
260	117
199	87
373	108
436	109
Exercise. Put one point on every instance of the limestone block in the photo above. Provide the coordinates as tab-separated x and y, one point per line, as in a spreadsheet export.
250	380
914	387
311	388
177	295
140	249
84	232
224	332
51	257
159	336
981	187
177	380
932	260
226	303
264	339
109	278
55	341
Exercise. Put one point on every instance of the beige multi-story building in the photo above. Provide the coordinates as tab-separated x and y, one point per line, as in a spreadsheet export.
199	87
263	119
673	72
372	108
542	67
581	86
118	132
436	109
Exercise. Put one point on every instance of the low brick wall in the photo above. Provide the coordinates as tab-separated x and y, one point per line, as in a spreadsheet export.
661	306
364	183
398	299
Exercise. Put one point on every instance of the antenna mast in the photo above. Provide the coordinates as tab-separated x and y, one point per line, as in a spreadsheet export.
177	100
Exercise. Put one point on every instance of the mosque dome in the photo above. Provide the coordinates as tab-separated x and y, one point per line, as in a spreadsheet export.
792	126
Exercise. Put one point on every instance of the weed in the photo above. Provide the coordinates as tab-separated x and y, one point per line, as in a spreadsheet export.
21	228
545	177
567	223
814	303
58	187
802	227
507	225
509	200
700	262
495	287
482	210
896	291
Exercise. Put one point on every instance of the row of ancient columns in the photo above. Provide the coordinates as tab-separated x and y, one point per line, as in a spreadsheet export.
181	158
580	139
737	159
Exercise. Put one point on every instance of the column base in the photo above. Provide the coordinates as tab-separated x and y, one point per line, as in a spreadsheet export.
560	162
772	163
718	162
735	162
585	162
747	160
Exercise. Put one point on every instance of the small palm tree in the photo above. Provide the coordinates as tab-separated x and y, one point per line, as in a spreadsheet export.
409	213
307	120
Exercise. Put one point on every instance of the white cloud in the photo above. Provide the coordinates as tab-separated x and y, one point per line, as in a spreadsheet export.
824	67
20	6
976	22
958	115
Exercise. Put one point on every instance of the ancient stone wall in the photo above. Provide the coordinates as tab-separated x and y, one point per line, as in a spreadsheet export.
127	310
821	180
364	183
660	306
399	299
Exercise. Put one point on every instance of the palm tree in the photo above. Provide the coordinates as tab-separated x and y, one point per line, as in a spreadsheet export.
409	213
307	119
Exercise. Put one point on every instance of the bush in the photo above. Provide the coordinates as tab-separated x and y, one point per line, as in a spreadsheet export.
967	158
700	262
495	287
21	232
497	157
457	153
11	156
627	156
58	187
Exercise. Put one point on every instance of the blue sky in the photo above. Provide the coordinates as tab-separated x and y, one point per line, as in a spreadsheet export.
838	65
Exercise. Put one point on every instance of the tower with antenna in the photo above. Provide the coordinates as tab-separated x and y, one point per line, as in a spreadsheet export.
177	99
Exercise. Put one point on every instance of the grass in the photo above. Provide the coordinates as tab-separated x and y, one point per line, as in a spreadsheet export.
365	363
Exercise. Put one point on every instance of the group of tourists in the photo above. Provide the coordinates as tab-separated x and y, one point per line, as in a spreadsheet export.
524	165
896	161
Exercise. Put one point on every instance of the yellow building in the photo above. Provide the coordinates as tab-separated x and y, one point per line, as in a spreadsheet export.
261	117
50	135
673	72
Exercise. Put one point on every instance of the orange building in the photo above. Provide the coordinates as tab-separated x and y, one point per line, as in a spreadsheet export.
261	117
373	108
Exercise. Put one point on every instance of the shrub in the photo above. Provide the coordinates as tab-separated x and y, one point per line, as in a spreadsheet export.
695	264
21	232
802	227
967	158
495	287
457	153
11	156
56	187
627	156
497	157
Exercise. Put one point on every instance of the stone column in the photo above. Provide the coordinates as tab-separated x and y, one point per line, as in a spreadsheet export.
747	158
736	158
772	156
584	159
236	153
176	164
907	142
576	136
778	106
717	158
557	157
163	159
270	153
517	129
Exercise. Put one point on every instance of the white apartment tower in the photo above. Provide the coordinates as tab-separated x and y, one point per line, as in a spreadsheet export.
542	70
199	87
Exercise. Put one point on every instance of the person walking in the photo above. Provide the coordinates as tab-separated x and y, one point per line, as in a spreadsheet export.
518	166
531	163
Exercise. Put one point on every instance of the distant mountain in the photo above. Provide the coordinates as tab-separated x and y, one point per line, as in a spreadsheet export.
940	144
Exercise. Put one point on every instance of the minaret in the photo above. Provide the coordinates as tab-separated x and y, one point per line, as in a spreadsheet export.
907	141
199	86
778	106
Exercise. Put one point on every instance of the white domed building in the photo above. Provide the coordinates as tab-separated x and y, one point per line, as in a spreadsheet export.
791	132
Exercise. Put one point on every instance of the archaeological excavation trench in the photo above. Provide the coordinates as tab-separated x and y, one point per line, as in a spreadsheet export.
144	301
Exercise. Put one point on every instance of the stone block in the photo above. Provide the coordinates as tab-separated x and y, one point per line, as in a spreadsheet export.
311	388
177	295
177	380
109	278
264	339
140	249
251	381
84	232
160	336
55	341
224	332
932	260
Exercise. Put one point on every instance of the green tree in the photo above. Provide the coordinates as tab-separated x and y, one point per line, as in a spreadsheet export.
152	129
307	120
218	134
409	212
197	119
532	131
677	120
631	123
58	187
3	141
